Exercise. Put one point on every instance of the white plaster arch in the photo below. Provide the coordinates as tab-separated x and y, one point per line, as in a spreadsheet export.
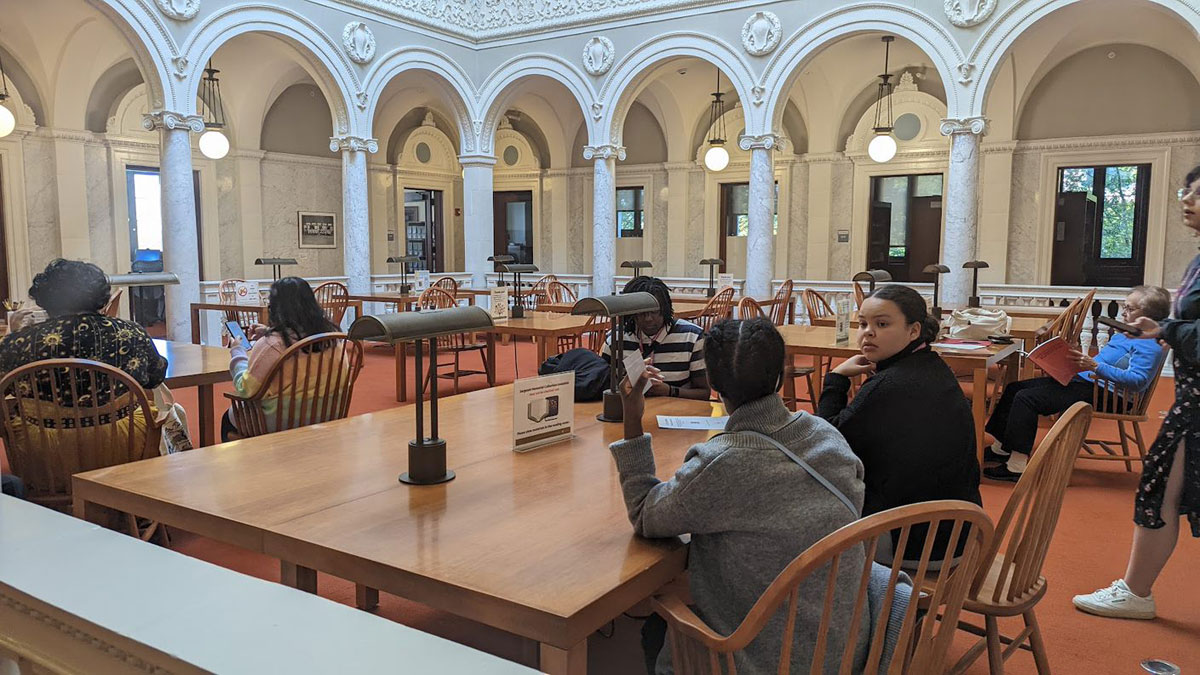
927	33
928	109
152	45
20	110
527	159
631	75
661	102
735	120
327	63
127	118
443	156
498	89
543	114
997	40
454	84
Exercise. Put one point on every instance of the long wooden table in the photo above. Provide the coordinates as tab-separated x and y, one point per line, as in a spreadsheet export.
200	366
819	341
537	544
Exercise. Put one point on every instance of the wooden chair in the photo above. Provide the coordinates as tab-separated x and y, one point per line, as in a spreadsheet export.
558	292
114	304
66	416
748	308
859	294
815	305
1009	582
227	294
311	383
447	284
842	561
591	338
334	299
783	301
538	293
1105	397
455	345
718	308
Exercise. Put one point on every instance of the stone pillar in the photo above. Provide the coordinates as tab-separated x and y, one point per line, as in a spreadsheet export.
760	240
677	218
962	206
249	187
479	238
180	243
356	217
604	214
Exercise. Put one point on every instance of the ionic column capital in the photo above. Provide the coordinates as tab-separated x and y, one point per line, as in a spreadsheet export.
353	144
477	159
606	151
760	142
166	119
965	125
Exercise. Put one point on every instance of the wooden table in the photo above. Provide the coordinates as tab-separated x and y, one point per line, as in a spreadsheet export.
818	341
200	366
407	300
197	307
537	544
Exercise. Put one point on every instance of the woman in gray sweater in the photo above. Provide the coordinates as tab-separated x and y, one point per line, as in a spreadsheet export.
749	508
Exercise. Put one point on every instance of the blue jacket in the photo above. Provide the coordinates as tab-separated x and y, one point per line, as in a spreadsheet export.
1129	362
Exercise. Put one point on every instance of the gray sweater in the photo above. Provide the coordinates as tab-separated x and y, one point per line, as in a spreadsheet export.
751	511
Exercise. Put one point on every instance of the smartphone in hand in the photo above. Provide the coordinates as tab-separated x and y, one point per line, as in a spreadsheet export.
235	329
1119	325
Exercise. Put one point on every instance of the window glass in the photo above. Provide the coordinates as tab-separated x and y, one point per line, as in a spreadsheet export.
1120	199
629	212
737	207
1077	180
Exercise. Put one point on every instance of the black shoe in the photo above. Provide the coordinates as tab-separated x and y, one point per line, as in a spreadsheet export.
1001	472
990	455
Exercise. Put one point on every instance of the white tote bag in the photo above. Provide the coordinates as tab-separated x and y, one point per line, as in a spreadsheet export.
173	419
977	323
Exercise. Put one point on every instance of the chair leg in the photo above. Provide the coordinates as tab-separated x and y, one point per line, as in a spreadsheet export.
994	649
1141	443
456	371
1124	445
1036	645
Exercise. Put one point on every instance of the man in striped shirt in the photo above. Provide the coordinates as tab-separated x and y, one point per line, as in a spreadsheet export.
674	346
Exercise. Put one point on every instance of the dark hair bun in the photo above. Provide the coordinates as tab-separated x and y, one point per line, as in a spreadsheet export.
70	286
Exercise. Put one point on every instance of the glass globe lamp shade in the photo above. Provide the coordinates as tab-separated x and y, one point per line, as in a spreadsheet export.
716	158
882	148
213	144
7	121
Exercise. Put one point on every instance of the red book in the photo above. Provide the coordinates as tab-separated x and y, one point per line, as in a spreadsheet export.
1053	358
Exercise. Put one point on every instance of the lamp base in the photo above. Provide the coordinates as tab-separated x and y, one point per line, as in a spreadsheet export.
426	463
973	301
614	411
710	292
405	289
518	311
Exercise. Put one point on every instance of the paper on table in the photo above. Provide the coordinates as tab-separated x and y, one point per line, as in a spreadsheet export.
956	345
635	365
702	423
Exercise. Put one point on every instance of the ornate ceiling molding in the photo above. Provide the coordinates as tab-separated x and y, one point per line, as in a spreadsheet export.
180	10
359	42
761	33
598	55
967	13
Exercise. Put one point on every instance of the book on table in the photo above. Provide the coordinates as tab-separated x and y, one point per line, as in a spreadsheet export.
1053	357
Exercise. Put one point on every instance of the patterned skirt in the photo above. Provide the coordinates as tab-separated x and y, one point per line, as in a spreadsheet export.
1181	424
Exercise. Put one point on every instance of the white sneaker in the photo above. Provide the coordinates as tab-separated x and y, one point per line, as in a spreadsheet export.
1116	601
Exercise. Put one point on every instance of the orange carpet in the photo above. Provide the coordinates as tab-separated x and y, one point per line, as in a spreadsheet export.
1089	551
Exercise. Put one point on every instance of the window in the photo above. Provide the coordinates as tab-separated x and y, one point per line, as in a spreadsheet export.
735	201
1100	225
905	230
629	212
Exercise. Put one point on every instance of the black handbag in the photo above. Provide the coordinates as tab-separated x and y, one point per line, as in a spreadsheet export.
591	372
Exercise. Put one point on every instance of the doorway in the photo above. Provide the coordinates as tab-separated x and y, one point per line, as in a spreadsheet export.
423	232
905	231
513	217
147	304
1100	216
4	289
735	226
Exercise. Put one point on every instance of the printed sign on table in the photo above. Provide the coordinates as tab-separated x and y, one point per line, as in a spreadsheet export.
724	280
843	321
499	299
246	293
543	410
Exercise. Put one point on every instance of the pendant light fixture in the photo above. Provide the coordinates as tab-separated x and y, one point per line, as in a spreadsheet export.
883	146
716	158
213	143
7	121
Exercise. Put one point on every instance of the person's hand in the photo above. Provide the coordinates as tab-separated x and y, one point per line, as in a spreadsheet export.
659	388
1150	328
854	366
228	340
1041	332
256	331
633	401
1081	360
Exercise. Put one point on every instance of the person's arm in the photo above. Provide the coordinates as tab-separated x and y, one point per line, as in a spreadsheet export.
250	372
697	385
152	366
833	406
1143	361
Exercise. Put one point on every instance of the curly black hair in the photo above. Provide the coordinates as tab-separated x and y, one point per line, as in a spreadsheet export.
913	307
70	287
654	286
293	311
1192	177
744	359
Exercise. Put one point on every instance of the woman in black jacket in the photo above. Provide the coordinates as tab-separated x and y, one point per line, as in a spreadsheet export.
909	423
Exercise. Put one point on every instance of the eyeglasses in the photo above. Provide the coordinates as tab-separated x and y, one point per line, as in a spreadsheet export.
1130	307
1185	194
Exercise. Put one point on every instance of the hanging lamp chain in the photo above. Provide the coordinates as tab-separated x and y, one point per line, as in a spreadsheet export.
210	96
716	115
884	94
3	81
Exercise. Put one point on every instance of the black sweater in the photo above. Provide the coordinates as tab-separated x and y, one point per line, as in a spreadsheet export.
912	428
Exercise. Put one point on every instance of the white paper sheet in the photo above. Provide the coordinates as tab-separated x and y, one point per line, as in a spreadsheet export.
694	423
635	365
957	346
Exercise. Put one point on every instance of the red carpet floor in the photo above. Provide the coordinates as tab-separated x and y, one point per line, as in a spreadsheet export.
1090	548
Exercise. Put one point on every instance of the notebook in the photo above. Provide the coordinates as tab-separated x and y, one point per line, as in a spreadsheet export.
1052	357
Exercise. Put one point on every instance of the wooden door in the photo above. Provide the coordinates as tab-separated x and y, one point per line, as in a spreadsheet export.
924	235
512	216
1074	218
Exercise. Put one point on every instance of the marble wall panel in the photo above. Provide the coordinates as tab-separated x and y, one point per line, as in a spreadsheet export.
695	226
1023	215
41	202
659	193
544	253
292	186
101	229
580	225
797	222
229	222
840	218
1181	242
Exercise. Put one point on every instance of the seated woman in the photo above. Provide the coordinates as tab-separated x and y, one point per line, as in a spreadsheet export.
1125	362
674	346
749	508
73	292
292	315
909	422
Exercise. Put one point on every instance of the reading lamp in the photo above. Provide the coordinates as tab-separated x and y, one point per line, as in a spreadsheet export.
405	261
518	310
426	456
276	264
615	307
637	265
975	265
143	279
872	277
497	261
937	270
712	263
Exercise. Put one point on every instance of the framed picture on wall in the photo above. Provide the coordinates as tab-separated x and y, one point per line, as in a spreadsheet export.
317	230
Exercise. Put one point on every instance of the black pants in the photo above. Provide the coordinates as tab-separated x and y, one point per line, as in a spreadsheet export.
1014	420
654	636
227	428
12	486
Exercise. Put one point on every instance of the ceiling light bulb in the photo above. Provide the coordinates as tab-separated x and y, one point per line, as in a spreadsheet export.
882	148
7	121
213	144
716	158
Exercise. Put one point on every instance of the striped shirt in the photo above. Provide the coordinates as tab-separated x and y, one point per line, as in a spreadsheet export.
677	352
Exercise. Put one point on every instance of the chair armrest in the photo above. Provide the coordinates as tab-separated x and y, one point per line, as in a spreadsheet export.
676	612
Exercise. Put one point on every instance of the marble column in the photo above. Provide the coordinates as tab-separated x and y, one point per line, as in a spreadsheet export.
479	238
962	206
356	217
760	239
180	242
604	214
